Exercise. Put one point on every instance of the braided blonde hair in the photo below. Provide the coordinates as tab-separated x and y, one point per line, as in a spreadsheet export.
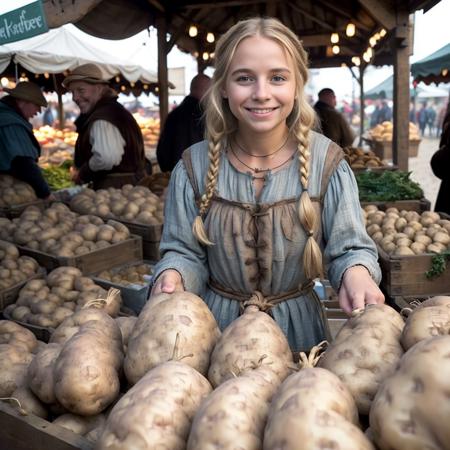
221	125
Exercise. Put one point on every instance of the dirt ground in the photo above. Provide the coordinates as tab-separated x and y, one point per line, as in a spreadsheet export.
421	170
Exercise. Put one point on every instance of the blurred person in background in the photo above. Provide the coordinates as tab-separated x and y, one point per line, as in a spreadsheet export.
440	164
19	149
332	123
382	113
431	120
109	151
184	125
422	118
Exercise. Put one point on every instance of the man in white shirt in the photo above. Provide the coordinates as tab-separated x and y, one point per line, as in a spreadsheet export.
109	151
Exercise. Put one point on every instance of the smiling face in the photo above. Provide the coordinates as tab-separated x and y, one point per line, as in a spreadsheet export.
260	85
28	109
86	95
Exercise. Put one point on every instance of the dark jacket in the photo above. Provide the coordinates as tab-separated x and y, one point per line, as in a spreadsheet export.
132	165
19	149
440	164
184	127
333	125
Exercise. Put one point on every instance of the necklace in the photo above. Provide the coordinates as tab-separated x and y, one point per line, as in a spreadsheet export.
260	156
258	169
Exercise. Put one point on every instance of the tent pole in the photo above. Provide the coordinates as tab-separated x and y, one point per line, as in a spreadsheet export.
163	81
61	117
361	103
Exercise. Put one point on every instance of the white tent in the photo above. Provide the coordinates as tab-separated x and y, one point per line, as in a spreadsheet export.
60	50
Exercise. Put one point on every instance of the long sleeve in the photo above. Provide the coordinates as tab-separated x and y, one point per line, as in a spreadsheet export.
107	146
179	248
347	242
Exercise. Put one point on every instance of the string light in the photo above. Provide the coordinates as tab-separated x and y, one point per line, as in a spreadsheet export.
350	30
210	37
444	72
369	52
334	38
4	81
377	36
372	41
117	79
46	75
122	88
193	31
383	32
205	56
336	49
356	60
366	57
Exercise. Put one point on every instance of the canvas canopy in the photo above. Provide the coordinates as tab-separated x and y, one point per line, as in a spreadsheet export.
60	50
434	68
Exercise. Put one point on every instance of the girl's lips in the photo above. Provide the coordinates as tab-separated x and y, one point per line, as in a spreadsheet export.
260	110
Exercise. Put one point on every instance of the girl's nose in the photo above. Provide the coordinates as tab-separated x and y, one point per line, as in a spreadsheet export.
261	90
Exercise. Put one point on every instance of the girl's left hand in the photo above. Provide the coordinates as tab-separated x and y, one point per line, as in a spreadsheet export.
358	290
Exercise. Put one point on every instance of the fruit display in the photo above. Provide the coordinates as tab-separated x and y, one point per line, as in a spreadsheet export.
61	232
57	145
130	203
362	159
150	128
407	232
14	192
13	267
383	132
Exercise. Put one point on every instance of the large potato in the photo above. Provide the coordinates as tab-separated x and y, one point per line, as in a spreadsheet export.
86	372
412	406
177	326
365	351
156	413
314	408
237	409
14	363
252	340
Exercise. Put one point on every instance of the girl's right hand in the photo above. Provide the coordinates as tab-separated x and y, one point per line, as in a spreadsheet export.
169	281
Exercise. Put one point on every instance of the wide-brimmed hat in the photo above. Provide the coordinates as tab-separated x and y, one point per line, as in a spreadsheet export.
28	91
89	73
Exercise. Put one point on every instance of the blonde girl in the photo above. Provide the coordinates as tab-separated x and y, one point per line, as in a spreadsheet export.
256	210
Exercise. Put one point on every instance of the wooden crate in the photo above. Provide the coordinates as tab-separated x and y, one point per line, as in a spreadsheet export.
11	212
30	432
8	296
405	276
383	149
419	206
42	333
151	236
93	262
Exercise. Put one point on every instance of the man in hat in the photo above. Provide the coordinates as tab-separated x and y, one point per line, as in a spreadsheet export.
19	149
109	151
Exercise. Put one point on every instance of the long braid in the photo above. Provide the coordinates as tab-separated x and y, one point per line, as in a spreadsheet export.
312	256
198	227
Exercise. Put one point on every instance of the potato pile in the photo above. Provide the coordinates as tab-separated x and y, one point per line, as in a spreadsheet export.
47	302
407	232
15	192
130	203
13	267
361	159
383	132
136	274
157	182
62	232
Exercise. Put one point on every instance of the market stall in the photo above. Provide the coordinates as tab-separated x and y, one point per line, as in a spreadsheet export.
434	68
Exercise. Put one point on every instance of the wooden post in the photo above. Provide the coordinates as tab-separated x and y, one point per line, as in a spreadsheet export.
400	138
361	102
163	79
61	117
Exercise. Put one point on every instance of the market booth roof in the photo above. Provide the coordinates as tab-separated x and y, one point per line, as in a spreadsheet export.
434	68
59	51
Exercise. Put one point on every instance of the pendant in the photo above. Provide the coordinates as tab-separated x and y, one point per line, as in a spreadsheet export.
257	170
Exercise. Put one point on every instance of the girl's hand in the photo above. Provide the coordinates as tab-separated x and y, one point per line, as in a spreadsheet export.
169	281
358	290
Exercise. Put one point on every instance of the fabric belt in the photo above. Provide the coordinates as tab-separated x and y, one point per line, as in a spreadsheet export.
264	303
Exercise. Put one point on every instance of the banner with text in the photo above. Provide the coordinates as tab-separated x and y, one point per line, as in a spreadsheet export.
23	23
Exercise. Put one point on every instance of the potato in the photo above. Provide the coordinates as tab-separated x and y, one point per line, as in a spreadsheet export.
411	408
14	363
313	407
79	424
238	407
86	372
14	334
177	326
156	412
29	403
252	340
126	325
365	351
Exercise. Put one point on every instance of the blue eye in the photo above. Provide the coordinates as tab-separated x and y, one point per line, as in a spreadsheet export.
278	78
244	78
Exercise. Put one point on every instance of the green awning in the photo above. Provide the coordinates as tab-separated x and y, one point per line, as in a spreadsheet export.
434	68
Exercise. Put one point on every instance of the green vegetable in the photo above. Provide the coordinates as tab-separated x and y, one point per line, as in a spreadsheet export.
438	264
58	177
387	186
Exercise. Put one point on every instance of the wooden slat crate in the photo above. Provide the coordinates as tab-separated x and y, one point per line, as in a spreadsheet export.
11	212
30	432
102	259
405	276
151	236
409	205
8	296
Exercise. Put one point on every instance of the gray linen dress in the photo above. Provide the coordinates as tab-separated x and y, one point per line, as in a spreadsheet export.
259	243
